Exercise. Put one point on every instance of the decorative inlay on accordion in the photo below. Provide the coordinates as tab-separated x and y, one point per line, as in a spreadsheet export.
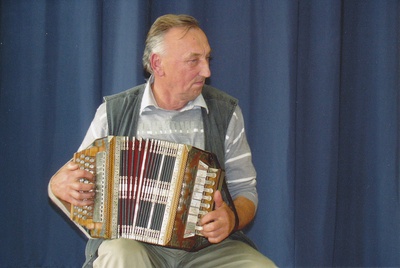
149	190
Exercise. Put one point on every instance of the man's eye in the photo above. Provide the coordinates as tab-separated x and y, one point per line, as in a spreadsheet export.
193	62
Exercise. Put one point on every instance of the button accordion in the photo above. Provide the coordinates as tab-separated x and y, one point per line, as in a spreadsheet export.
149	190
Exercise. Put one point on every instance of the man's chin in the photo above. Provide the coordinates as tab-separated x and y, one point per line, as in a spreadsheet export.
198	86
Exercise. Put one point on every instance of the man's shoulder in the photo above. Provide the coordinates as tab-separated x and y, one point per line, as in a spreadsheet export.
212	93
132	92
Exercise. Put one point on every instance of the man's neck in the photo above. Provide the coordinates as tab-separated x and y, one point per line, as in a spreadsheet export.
165	100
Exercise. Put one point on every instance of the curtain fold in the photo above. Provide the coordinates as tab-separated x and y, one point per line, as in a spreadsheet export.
316	131
318	83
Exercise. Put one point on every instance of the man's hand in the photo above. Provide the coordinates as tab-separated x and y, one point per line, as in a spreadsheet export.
67	185
219	223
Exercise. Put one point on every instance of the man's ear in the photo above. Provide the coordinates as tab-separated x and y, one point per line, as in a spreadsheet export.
156	66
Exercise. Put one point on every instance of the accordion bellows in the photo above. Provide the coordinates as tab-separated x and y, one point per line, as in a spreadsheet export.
149	190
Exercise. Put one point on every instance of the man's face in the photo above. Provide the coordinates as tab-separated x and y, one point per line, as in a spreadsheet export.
185	63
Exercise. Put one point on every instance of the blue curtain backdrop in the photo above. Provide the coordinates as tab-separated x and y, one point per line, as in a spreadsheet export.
318	82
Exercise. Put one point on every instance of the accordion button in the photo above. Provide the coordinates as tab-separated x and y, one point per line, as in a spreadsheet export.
207	198
207	206
208	190
212	183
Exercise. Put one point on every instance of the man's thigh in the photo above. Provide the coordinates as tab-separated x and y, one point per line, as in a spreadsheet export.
228	253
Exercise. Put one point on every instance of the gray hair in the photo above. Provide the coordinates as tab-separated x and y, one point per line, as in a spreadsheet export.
155	36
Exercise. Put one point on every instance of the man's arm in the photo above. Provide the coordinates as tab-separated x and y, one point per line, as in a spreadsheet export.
241	180
65	184
245	210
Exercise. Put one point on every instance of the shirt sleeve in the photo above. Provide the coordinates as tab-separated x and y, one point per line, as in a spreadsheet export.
97	129
239	168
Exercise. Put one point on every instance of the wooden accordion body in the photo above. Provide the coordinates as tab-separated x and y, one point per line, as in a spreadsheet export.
149	190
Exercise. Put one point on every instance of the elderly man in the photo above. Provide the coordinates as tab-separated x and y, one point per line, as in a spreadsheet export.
175	105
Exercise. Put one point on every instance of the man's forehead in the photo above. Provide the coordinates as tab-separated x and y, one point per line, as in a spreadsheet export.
183	37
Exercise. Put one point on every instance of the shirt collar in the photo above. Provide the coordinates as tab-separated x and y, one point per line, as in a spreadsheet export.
148	100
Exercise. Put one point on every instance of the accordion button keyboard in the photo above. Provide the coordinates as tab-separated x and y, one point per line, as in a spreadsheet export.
201	200
85	162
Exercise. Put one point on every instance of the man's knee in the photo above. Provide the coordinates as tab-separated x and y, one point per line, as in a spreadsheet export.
121	247
121	252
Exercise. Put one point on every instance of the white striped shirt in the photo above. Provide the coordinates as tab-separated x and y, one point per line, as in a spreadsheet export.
186	127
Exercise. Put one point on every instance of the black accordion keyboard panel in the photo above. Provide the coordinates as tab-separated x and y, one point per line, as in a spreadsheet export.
149	190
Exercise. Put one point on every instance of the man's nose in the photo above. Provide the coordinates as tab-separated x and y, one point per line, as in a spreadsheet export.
205	69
